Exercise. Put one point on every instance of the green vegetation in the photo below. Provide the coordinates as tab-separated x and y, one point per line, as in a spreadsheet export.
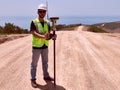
70	27
12	29
94	28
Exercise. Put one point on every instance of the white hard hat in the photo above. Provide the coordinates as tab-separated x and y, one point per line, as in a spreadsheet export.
42	6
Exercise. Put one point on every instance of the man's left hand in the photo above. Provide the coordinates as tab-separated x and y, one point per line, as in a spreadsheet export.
54	37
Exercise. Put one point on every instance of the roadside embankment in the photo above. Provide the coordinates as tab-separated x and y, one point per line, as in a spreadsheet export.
5	38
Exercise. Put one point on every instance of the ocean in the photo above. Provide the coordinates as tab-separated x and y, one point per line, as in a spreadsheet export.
24	21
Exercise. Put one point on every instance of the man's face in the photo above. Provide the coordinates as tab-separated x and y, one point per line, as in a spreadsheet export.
41	13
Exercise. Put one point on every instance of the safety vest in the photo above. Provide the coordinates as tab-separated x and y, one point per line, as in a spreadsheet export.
39	42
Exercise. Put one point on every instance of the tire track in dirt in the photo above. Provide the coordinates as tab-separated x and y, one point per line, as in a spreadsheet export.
84	61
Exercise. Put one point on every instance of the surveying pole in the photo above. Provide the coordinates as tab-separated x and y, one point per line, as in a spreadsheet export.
54	20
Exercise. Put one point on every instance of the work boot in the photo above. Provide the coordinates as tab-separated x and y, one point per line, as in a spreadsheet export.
34	84
48	78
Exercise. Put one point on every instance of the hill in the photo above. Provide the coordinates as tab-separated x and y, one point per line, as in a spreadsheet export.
110	26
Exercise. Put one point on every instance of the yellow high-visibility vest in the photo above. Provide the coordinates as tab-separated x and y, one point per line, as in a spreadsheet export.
39	42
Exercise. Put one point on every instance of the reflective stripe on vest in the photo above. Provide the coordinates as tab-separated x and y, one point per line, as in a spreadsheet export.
39	42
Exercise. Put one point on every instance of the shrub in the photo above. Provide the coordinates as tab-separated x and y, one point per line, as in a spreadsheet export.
1	29
96	29
66	27
12	29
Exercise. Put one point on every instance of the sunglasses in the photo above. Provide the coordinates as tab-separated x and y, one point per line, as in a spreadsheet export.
41	11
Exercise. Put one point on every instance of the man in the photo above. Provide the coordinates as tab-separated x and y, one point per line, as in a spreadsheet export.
41	33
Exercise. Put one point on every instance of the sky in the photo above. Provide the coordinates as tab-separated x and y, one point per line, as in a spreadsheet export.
61	7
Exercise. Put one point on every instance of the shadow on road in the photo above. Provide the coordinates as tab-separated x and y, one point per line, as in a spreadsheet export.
50	86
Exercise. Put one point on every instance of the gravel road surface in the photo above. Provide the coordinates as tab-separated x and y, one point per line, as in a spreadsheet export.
84	61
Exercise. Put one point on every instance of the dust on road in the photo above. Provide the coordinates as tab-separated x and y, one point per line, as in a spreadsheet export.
84	61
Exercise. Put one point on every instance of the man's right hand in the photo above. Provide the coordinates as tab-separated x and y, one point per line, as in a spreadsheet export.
48	36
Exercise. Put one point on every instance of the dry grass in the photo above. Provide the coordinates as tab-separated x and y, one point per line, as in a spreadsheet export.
5	38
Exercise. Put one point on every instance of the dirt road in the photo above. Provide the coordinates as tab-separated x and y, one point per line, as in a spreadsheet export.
84	61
